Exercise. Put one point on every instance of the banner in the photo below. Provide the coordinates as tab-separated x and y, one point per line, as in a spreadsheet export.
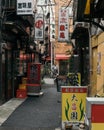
25	7
63	28
39	27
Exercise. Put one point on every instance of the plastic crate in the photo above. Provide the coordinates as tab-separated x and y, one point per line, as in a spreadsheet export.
22	86
21	93
24	80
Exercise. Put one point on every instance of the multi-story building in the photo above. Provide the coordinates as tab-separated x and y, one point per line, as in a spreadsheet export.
16	37
88	34
60	46
56	50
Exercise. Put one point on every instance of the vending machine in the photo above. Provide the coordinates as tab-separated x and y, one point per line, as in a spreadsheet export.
34	79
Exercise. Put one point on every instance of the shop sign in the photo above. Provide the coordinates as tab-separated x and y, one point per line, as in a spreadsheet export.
73	104
95	112
63	28
25	7
39	26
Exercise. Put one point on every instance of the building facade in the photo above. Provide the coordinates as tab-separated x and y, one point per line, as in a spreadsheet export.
16	37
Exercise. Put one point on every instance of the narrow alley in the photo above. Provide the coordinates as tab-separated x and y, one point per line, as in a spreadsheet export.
37	112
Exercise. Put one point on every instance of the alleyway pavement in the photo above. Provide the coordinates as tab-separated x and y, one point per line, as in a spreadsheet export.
35	112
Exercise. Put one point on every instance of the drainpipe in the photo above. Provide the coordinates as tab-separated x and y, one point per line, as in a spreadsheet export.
90	59
0	50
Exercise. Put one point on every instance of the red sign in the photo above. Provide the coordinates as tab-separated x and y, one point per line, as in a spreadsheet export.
39	24
97	113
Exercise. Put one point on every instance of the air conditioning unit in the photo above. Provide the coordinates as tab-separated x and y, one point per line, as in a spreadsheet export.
82	24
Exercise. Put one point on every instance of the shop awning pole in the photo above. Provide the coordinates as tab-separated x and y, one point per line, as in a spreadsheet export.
51	57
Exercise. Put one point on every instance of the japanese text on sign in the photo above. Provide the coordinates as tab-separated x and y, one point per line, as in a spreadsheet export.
63	25
39	26
24	7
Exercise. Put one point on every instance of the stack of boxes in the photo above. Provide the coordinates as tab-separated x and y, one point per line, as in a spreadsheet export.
22	90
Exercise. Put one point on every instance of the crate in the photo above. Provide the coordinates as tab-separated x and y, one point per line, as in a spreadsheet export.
24	80
22	86
20	93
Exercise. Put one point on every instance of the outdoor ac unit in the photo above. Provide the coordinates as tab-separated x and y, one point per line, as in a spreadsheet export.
82	24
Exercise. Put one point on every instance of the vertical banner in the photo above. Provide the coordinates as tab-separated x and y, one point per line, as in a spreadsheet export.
63	28
25	7
73	104
39	27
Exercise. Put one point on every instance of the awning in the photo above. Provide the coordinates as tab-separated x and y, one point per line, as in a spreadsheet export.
62	57
48	58
15	28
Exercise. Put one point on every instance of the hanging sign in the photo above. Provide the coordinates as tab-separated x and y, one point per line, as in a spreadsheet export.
63	28
39	26
25	7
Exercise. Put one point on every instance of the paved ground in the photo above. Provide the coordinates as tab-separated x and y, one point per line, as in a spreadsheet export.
33	113
7	108
43	112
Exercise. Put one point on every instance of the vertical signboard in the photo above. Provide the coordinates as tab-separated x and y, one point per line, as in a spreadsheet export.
63	28
25	7
97	116
39	26
73	104
95	112
34	73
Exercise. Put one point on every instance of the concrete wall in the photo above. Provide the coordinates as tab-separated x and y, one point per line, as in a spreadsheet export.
97	77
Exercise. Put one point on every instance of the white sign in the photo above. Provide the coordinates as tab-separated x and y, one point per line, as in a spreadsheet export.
45	2
63	29
25	7
39	26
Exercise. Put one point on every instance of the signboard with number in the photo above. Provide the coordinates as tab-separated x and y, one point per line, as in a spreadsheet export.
25	7
63	29
39	26
73	104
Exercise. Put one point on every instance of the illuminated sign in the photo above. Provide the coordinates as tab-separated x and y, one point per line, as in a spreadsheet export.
24	7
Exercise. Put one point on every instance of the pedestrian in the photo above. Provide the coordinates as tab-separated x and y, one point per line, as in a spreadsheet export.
55	70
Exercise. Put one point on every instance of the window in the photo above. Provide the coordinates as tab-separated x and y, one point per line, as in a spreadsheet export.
9	3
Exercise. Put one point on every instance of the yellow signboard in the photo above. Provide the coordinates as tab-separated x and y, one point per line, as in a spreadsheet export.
97	126
73	104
